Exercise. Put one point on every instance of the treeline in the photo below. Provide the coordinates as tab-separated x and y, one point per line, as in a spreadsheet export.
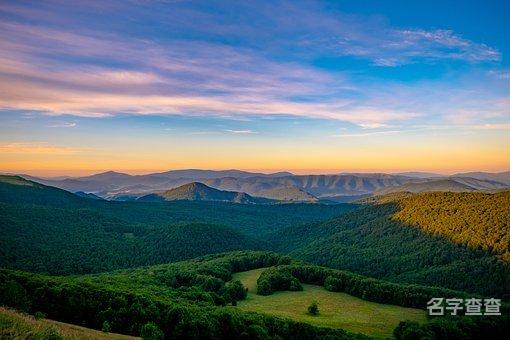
97	302
290	277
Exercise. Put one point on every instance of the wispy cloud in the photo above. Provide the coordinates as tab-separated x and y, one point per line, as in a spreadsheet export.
500	74
100	73
36	148
241	132
63	125
367	134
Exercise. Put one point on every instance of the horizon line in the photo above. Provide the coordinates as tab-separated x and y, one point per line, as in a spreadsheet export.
134	172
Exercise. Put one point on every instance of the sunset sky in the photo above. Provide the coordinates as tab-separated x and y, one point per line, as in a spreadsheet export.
305	86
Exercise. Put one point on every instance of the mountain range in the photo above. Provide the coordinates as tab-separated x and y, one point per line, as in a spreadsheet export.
278	186
197	191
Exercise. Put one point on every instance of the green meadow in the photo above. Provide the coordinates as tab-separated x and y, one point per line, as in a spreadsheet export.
336	310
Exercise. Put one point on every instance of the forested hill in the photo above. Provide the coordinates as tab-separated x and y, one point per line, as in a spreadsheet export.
50	230
476	220
455	240
14	189
197	191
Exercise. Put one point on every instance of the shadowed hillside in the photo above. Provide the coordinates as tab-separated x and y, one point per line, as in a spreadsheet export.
455	240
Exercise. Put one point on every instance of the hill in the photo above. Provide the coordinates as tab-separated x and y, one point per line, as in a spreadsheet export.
16	325
88	195
445	185
50	230
502	177
429	238
197	191
112	185
189	300
291	194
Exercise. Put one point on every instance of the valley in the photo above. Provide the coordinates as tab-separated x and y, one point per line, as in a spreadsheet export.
336	310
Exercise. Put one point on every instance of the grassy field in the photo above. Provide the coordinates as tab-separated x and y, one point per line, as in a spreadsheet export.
14	325
337	310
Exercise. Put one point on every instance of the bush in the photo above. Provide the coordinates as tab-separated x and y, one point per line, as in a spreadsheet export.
106	327
313	309
151	332
39	315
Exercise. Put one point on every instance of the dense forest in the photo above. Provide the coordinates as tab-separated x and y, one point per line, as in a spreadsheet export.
182	300
122	275
49	230
192	299
394	239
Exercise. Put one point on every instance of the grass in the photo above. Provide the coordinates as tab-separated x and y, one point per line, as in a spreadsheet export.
15	325
336	310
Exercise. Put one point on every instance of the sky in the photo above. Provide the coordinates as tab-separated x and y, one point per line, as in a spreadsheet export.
306	86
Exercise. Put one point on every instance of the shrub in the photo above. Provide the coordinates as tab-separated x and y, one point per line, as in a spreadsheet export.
313	309
151	332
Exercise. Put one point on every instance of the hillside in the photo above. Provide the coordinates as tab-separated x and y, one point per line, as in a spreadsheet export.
197	191
16	325
113	185
189	300
46	229
502	177
445	185
430	238
291	194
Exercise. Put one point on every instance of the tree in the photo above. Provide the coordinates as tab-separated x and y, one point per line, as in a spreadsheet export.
313	309
151	332
106	327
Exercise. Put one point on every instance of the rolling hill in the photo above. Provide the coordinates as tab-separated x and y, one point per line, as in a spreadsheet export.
341	187
191	300
289	194
446	185
454	240
197	191
50	230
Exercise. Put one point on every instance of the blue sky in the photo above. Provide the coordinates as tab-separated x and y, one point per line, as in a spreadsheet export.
299	85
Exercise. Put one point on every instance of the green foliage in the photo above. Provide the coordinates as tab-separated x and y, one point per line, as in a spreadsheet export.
460	327
39	315
66	234
313	309
273	280
406	295
106	327
171	296
417	239
150	331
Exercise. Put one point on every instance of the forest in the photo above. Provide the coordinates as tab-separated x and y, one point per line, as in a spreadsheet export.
118	266
191	299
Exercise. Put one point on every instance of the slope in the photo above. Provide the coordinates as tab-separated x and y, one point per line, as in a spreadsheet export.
197	191
454	240
49	230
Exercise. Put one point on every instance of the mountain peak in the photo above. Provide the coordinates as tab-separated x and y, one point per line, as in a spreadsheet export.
196	191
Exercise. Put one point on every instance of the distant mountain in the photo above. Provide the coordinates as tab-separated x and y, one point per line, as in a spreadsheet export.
320	186
292	194
88	195
196	191
208	174
418	174
447	185
503	177
339	188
